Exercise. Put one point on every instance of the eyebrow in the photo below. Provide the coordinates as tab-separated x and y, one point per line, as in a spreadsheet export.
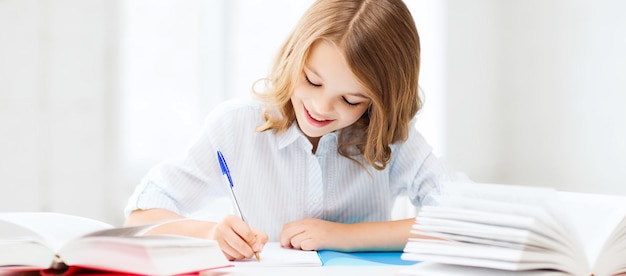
355	94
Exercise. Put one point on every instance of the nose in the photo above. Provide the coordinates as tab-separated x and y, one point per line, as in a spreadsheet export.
322	104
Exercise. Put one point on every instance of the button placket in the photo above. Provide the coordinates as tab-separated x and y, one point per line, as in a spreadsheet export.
315	188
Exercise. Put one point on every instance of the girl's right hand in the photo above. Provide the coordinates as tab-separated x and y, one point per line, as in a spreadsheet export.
236	239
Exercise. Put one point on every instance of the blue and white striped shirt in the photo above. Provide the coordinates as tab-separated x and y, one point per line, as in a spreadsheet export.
278	179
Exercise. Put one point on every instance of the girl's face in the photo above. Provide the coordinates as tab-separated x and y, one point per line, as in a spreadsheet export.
327	96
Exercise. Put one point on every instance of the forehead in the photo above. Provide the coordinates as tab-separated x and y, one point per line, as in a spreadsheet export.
327	62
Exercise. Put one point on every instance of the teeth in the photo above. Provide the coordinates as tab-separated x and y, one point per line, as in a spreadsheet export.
317	119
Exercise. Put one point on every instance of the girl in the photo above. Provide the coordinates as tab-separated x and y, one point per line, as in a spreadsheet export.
318	158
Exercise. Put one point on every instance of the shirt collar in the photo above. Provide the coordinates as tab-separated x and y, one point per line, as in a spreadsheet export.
290	136
293	134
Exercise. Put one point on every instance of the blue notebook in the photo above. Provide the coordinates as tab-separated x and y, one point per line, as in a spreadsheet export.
331	258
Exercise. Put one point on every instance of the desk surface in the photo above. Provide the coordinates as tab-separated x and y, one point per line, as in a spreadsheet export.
305	271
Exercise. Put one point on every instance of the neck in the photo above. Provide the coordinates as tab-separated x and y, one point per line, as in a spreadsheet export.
314	141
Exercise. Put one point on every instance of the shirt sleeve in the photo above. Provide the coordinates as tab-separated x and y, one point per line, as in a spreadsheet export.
187	185
417	171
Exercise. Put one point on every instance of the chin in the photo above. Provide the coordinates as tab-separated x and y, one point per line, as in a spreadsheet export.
313	134
311	131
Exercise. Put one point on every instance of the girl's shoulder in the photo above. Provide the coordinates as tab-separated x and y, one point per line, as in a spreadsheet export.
238	109
238	105
415	139
238	116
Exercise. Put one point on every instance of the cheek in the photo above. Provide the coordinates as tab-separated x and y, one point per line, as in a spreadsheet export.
296	94
354	114
301	91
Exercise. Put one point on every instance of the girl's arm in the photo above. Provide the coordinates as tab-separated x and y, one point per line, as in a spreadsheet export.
236	239
179	225
316	234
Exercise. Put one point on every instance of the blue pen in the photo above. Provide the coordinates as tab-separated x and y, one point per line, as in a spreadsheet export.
226	173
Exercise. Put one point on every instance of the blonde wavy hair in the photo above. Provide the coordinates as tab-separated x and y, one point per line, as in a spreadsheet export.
381	45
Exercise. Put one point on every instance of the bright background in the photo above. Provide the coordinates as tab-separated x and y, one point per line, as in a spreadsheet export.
95	92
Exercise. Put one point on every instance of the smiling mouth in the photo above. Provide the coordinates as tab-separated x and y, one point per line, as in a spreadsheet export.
316	121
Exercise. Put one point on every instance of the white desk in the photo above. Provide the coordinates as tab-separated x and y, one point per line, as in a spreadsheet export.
276	260
306	271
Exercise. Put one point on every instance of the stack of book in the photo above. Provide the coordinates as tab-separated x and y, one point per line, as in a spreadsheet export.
484	229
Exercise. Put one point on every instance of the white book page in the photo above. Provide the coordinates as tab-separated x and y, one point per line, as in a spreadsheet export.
487	256
486	252
528	201
55	229
594	218
468	215
489	235
611	260
538	202
435	269
14	233
488	232
469	239
541	204
538	234
543	222
275	255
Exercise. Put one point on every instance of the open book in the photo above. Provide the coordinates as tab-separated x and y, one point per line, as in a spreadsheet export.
273	255
40	240
518	228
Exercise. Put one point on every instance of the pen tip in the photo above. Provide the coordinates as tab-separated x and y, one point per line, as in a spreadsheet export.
258	258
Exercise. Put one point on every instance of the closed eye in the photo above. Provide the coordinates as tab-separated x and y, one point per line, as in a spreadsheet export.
310	82
349	103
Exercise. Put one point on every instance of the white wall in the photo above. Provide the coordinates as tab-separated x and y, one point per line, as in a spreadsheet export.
166	81
57	105
536	92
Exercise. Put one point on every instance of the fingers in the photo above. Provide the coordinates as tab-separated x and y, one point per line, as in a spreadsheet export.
241	229
260	240
300	235
234	247
308	234
237	240
298	240
303	241
290	230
